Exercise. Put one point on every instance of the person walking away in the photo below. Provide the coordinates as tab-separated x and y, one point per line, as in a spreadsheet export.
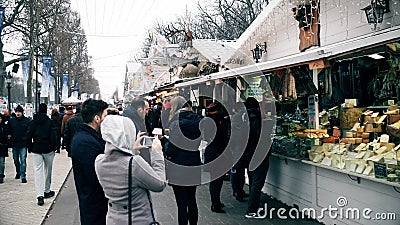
42	143
55	118
259	137
86	145
70	129
182	148
112	171
18	128
217	133
4	142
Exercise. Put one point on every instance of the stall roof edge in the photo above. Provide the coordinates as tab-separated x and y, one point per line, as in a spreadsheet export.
324	52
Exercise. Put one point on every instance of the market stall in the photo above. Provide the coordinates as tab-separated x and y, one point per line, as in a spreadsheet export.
342	149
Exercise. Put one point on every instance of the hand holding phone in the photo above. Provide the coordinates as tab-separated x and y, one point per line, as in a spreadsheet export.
147	141
138	143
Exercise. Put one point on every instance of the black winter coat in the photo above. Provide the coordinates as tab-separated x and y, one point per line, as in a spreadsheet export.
4	131
57	124
255	121
216	135
184	139
18	129
86	145
69	131
42	135
182	148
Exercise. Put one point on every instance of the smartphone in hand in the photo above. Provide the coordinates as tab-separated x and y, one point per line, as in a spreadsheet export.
147	141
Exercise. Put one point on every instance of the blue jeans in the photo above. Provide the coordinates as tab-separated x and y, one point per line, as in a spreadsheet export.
19	156
2	166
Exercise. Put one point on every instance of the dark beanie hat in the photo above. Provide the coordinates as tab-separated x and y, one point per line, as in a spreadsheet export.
19	109
42	108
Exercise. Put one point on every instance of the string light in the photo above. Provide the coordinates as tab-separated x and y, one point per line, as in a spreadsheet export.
280	21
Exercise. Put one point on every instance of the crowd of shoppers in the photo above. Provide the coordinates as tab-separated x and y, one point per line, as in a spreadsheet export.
104	146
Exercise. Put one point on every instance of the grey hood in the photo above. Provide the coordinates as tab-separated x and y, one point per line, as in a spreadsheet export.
120	132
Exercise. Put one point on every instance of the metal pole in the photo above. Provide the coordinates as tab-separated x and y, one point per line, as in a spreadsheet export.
37	82
9	96
37	59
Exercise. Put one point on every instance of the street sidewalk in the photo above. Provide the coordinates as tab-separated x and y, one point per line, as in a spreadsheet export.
18	203
66	212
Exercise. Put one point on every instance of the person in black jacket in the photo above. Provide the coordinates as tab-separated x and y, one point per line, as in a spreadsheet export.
86	145
18	128
239	137
3	145
259	142
137	110
55	118
183	158
42	143
70	129
216	132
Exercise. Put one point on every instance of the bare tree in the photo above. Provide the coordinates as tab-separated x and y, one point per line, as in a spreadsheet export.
215	19
47	27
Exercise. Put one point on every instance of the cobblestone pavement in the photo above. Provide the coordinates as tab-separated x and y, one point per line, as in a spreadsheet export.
18	203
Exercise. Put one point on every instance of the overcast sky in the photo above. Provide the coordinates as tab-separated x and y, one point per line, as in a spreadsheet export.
115	30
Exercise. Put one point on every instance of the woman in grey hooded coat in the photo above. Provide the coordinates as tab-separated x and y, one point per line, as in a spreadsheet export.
112	171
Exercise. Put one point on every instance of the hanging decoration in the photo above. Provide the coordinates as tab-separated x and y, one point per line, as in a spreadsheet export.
46	73
307	14
64	90
25	74
2	9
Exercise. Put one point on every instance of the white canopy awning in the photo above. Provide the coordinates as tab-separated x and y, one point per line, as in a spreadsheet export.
71	101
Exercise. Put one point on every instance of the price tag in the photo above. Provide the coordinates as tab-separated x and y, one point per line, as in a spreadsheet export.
380	170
